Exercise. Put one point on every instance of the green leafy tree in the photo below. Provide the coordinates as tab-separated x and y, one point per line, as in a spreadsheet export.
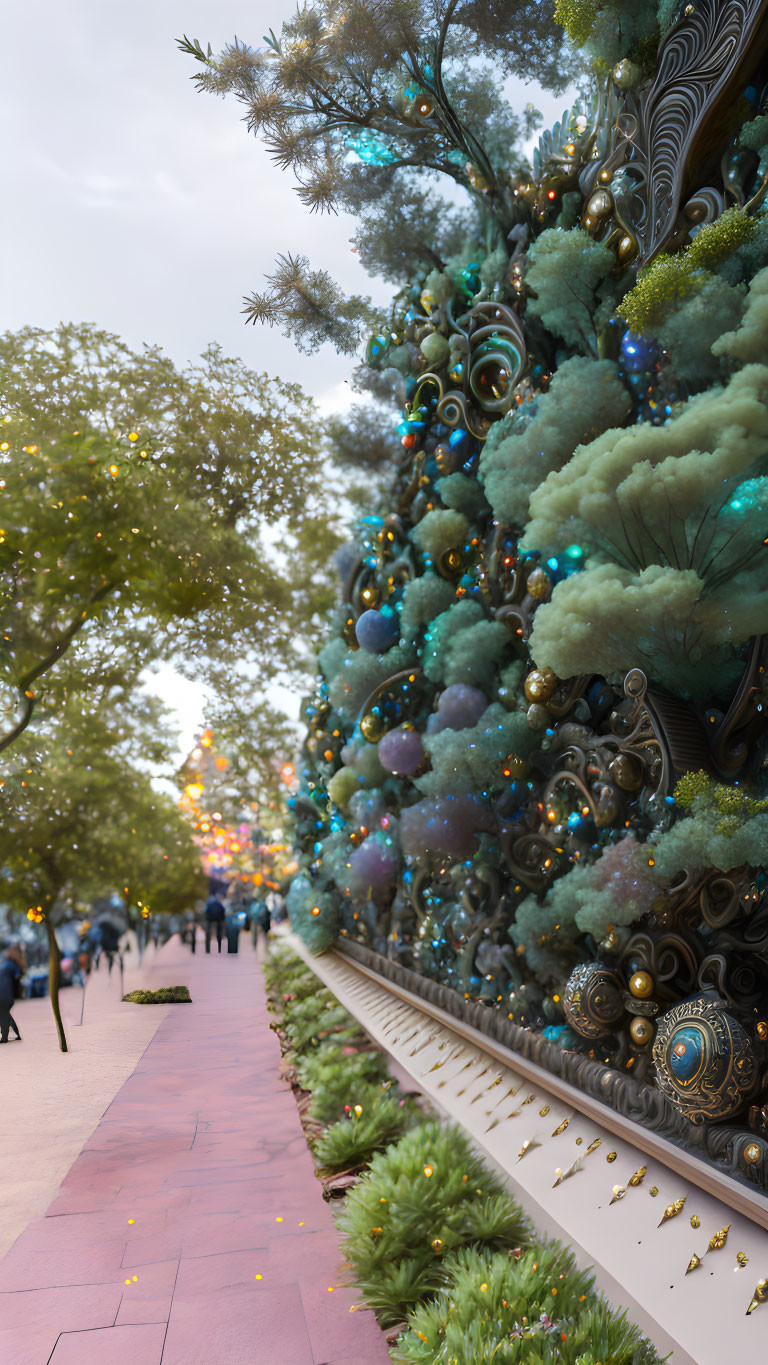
80	817
142	504
387	85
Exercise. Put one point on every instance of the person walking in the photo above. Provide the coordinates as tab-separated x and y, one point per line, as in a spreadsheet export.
215	914
12	968
233	927
190	932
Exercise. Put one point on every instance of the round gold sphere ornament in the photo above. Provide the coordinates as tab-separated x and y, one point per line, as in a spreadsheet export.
540	684
539	585
641	1031
372	728
641	985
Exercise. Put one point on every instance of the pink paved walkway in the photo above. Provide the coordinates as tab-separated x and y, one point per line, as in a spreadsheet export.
191	1229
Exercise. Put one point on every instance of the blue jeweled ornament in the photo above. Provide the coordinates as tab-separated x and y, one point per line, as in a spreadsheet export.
704	1060
638	353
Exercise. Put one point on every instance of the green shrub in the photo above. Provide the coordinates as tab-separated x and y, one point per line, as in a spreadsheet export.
420	1200
167	995
336	1078
538	1309
353	1141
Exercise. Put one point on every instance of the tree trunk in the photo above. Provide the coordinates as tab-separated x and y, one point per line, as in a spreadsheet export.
54	958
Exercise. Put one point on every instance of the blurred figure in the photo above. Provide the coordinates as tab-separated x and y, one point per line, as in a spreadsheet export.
190	932
12	967
95	944
233	926
261	926
215	914
110	942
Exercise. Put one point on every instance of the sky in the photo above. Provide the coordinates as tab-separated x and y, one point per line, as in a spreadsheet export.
140	205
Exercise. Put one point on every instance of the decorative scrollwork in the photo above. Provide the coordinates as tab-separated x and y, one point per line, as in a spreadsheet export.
593	1000
704	1060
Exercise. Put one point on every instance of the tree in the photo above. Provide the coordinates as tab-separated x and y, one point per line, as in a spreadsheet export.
557	607
387	84
79	816
139	502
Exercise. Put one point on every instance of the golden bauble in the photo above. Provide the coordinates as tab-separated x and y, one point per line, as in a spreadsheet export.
372	728
641	1031
540	684
626	74
627	249
641	985
539	584
537	716
627	772
599	204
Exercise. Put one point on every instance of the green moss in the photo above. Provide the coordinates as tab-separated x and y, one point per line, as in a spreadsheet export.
166	995
670	279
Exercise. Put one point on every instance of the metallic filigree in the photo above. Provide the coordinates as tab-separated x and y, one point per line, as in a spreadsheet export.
704	1061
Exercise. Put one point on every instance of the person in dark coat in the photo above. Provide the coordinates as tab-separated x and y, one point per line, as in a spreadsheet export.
215	914
12	966
110	942
233	927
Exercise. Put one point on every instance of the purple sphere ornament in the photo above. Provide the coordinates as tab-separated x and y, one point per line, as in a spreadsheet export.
401	751
377	631
458	707
372	865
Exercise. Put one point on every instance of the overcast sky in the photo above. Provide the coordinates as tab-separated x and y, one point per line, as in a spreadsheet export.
135	203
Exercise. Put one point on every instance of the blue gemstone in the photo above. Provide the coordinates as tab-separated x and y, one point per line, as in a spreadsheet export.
685	1053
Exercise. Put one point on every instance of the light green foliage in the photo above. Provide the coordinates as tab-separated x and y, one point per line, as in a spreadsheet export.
351	1142
668	280
617	889
693	332
440	531
470	761
343	785
430	1188
463	494
727	828
361	673
310	305
461	646
442	631
687	581
318	931
474	654
755	134
435	350
610	620
424	599
568	276
440	284
495	1308
748	342
585	397
332	656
